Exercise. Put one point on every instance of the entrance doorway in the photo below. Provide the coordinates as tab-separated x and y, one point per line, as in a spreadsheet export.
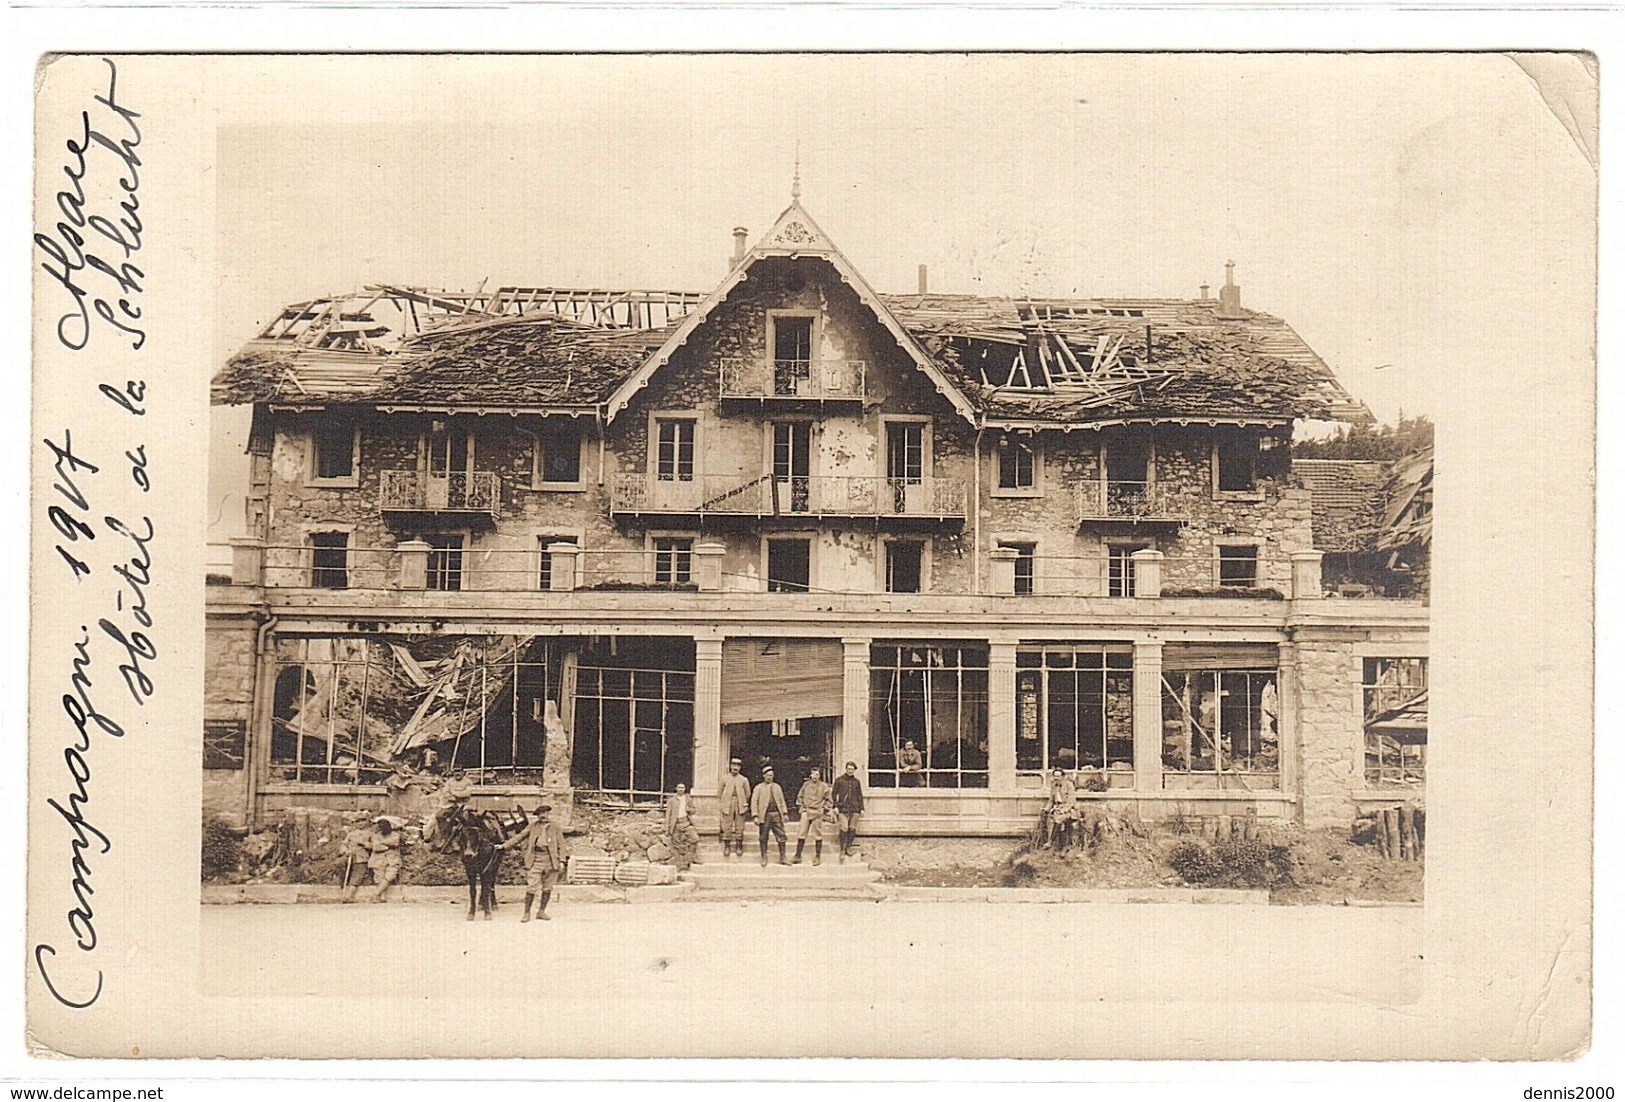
793	747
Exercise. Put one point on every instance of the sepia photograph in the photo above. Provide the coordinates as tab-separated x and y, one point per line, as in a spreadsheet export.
906	548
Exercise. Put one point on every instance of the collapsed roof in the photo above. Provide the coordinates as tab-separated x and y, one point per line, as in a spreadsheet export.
1001	361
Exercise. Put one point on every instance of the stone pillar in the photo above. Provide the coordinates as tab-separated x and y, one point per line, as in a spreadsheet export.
855	708
1148	715
1001	717
708	566
247	560
1148	576
414	560
707	715
1286	722
1002	582
1306	575
564	559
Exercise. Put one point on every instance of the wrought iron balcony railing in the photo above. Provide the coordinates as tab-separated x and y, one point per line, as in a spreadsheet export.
1130	501
816	379
942	498
456	492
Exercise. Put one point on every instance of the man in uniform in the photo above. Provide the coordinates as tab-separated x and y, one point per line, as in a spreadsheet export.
813	800
733	808
848	797
384	862
541	848
910	762
768	808
357	853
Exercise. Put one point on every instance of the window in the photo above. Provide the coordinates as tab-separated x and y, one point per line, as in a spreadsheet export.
1238	566
1220	721
559	451
634	719
1120	568
333	445
905	466
789	565
1237	462
674	560
905	566
345	706
330	560
445	561
1074	708
674	457
1128	478
545	576
792	353
792	466
934	697
1026	560
1017	466
1395	692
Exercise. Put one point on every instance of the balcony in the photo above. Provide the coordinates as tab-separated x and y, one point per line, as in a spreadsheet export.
460	493
1131	503
789	381
810	497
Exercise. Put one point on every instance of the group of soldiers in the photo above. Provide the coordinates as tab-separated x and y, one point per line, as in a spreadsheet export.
839	805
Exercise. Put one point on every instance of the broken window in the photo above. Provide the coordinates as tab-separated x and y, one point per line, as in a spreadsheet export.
1238	565
1238	461
634	721
905	566
445	561
934	697
346	707
792	353
674	456
1074	708
1395	692
789	565
1017	466
545	576
332	442
792	466
1221	721
559	446
1128	477
674	560
1025	566
330	560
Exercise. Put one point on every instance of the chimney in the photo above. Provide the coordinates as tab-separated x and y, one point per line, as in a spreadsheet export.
1204	292
1230	294
922	279
740	233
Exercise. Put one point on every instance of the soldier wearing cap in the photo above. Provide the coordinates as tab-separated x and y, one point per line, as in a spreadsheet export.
380	847
733	809
541	848
768	808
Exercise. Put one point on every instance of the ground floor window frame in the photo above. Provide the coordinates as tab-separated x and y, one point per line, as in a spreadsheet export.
1221	725
935	695
1394	700
1075	708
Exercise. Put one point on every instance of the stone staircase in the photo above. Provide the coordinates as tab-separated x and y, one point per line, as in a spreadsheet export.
716	879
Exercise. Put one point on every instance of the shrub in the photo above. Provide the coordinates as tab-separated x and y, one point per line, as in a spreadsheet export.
1233	591
222	850
1195	863
1019	873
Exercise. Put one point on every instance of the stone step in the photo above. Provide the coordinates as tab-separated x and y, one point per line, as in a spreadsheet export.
866	893
774	876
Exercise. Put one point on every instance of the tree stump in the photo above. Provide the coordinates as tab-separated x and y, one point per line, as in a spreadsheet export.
1407	833
1390	831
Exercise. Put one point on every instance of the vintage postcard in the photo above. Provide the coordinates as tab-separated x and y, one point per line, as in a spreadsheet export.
801	555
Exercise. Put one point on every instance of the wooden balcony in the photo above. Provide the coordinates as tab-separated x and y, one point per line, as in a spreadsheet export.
460	493
791	381
941	499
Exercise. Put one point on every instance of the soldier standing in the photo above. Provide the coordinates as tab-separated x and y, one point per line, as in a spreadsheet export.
384	860
768	808
541	848
848	797
733	808
813	800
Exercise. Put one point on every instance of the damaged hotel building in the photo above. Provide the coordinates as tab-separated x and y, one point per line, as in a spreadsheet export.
596	543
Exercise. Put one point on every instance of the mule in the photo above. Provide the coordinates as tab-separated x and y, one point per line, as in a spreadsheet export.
474	837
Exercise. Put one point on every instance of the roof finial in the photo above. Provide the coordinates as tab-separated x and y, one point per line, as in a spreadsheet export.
795	184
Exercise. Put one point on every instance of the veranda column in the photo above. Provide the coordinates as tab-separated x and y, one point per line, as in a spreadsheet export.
1286	721
1148	716
855	708
707	714
1001	717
